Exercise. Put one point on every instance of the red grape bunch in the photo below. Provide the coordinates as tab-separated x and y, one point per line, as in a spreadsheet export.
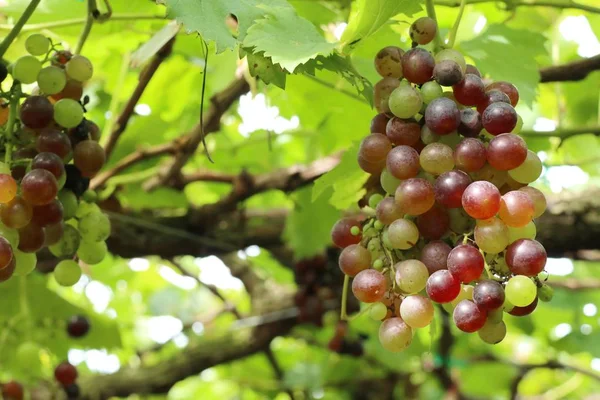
453	220
50	152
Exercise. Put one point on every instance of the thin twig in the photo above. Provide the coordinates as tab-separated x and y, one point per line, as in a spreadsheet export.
92	13
78	21
204	74
17	27
564	133
565	4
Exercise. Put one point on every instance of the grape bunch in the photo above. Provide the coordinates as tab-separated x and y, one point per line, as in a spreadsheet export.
453	220
50	153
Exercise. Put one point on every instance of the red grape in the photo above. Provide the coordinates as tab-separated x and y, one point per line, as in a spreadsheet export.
369	286
434	223
7	273
72	90
465	263
65	373
516	209
36	112
371	167
388	211
381	94
449	188
435	255
442	287
388	62
488	295
78	326
507	88
417	65
89	157
403	131
471	69
54	141
468	317
492	96
506	151
481	200
470	91
538	198
470	123
499	118
403	162
526	257
442	116
31	238
470	155
354	259
374	147
526	310
8	188
447	73
6	253
16	214
50	162
379	123
12	390
53	233
39	187
341	235
423	30
415	196
48	214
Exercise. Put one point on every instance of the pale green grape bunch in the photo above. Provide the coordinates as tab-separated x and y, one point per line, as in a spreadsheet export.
67	273
37	44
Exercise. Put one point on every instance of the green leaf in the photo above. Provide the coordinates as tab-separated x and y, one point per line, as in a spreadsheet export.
510	55
370	15
346	180
288	39
309	225
207	17
263	68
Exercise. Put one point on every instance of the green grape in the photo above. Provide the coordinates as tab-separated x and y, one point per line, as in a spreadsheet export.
495	316
427	136
92	252
430	91
85	208
517	129
90	196
402	234
524	232
417	311
355	230
491	235
453	55
378	311
492	333
60	182
374	200
28	353
389	182
545	293
69	203
68	113
26	69
37	44
51	80
411	276
378	225
520	291
395	335
94	227
466	293
452	139
405	101
507	306
67	273
25	262
529	171
378	264
68	243
12	235
79	68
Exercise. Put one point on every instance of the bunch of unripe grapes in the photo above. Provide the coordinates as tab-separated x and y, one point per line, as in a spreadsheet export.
51	151
453	220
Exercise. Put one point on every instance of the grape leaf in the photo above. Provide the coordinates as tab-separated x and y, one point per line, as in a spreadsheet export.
263	68
308	226
288	39
370	15
510	55
346	180
207	17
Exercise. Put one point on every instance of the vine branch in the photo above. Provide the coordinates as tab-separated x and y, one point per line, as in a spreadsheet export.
511	4
437	40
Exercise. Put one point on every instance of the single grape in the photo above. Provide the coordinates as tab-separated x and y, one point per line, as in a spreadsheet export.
466	293
488	295
381	94
526	257
31	238
447	73
369	286
48	214
411	276
516	209
50	162
545	293
28	353
465	263
418	64
499	118
506	151
68	113
54	233
442	286
405	132
39	187
388	211
520	291
37	44
24	262
434	223
453	55
470	155
403	162
79	68
507	88
449	188
67	273
373	168
471	69
405	101
12	390
36	112
415	196
417	311
16	214
51	80
492	333
525	310
490	174
379	123
69	203
68	243
65	373
437	158
428	137
72	90
54	141
7	273
423	30
85	208
431	91
374	200
524	232
26	69
402	234
6	253
468	317
378	311
491	235
442	116
395	335
481	200
92	252
8	188
373	148
538	198
341	235
492	96
388	182
529	171
470	91
470	123
460	222
435	255
354	259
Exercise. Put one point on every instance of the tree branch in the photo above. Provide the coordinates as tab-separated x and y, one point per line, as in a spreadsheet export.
145	76
576	284
563	133
573	71
220	103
